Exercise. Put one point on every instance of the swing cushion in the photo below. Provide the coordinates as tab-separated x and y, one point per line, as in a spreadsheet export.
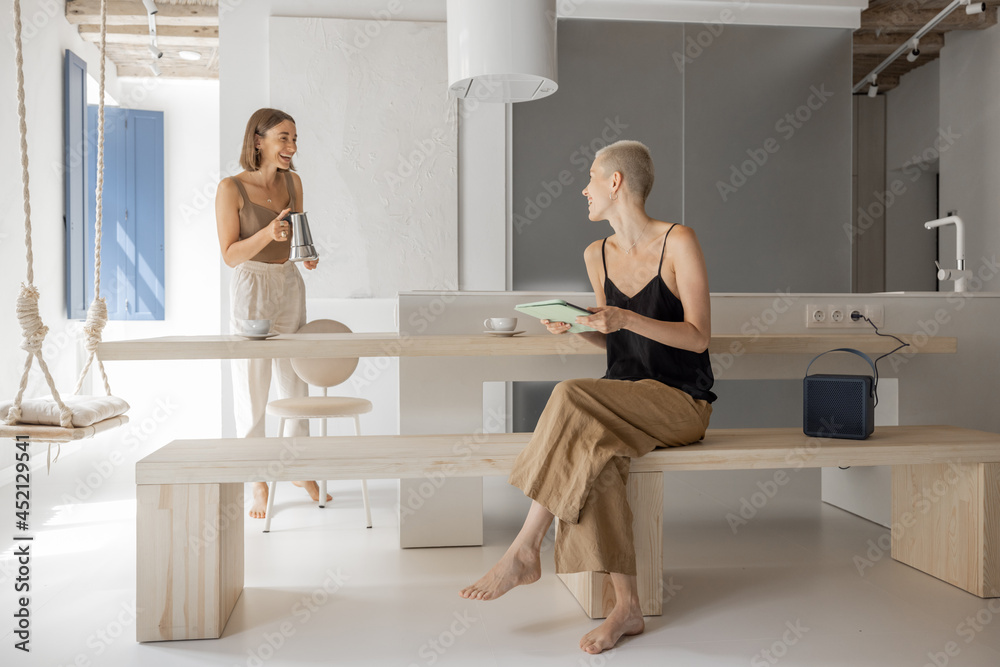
87	410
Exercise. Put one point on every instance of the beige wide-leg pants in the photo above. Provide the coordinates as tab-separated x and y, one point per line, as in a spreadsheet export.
577	462
276	292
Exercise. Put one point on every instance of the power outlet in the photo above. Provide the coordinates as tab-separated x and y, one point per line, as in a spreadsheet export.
838	315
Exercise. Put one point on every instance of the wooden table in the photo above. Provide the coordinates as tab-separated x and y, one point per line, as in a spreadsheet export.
478	345
441	388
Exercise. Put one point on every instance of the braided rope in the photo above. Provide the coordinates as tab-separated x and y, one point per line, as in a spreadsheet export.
100	156
33	330
97	314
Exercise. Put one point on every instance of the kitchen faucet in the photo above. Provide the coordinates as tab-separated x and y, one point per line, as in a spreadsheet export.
960	274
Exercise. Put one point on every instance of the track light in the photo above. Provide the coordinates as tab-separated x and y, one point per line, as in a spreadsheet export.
873	88
155	68
974	7
914	51
155	50
150	6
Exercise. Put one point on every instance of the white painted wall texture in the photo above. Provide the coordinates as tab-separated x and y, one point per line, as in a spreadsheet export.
378	135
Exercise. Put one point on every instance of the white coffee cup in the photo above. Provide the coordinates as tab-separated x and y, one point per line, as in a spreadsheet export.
500	323
255	327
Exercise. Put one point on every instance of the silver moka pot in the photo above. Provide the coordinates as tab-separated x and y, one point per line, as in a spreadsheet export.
302	242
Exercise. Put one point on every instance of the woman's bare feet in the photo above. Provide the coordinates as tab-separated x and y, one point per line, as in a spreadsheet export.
312	488
517	567
259	508
624	619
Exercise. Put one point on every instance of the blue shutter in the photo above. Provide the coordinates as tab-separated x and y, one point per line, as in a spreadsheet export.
145	219
75	181
132	236
114	237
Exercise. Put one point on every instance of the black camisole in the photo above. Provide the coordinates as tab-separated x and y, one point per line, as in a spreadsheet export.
635	357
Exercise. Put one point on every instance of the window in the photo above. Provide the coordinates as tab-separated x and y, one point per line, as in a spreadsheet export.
132	242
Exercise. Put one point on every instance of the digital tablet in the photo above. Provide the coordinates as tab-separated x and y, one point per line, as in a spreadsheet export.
557	310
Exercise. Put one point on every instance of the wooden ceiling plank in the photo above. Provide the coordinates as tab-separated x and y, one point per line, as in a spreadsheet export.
891	40
132	12
167	71
165	36
892	19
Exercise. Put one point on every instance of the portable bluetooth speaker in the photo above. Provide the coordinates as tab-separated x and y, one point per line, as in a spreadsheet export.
839	406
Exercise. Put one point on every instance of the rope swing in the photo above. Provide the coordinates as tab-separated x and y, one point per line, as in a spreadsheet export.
33	330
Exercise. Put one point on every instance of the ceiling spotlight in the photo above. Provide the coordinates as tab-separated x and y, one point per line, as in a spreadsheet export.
150	6
873	88
189	55
914	51
155	68
975	7
155	50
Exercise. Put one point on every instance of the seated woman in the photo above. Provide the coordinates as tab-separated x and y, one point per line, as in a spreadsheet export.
654	319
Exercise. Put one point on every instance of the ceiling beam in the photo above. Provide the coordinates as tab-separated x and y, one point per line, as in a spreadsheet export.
168	71
898	19
168	35
885	83
870	44
132	12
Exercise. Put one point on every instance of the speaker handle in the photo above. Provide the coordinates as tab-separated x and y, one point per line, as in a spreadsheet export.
844	349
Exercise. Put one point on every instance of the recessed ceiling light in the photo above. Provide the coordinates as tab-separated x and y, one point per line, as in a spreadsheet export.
189	55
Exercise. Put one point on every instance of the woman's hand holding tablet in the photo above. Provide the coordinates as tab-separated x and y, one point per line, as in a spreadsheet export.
555	312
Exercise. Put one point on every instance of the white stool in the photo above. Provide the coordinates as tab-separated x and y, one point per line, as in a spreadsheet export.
323	373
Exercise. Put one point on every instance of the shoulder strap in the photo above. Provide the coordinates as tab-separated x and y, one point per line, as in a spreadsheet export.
604	260
290	184
664	249
239	185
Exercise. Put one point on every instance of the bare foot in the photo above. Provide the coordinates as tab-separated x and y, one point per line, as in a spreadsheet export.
515	568
624	619
312	488
259	507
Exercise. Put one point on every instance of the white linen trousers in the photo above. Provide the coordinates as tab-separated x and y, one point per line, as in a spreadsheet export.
276	292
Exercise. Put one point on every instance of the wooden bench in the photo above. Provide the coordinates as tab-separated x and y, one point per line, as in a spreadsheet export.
190	511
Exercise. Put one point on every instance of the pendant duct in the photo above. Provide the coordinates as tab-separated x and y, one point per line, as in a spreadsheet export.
502	50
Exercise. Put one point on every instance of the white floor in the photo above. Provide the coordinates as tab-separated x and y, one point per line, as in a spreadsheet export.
321	589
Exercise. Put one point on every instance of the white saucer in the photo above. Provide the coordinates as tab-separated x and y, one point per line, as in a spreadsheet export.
505	334
258	336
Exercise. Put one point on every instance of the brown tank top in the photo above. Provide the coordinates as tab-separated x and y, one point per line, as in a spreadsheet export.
254	217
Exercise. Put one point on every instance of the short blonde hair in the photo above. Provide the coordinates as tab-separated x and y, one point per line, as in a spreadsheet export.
260	122
633	161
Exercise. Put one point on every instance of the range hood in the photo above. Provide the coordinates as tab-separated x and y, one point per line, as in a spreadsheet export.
502	50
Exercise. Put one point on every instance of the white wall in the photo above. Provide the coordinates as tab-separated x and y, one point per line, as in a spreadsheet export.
245	76
970	106
45	36
191	389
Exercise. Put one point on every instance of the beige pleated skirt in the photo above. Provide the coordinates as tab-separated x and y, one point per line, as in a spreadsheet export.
577	462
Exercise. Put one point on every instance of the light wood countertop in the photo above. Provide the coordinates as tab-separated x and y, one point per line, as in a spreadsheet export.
478	345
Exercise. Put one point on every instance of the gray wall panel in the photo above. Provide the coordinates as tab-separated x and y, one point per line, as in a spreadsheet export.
608	78
783	228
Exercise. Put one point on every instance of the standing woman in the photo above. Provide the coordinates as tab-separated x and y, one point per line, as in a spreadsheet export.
255	240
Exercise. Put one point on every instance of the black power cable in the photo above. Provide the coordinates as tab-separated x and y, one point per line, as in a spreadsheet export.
855	316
